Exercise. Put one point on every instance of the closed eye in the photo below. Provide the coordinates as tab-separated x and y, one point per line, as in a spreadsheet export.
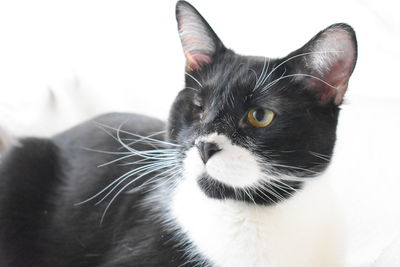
197	103
197	108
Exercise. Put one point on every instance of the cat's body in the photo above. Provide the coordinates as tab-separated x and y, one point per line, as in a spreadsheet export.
42	225
235	178
54	231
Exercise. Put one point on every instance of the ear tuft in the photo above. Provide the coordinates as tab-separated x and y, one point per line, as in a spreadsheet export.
199	41
331	56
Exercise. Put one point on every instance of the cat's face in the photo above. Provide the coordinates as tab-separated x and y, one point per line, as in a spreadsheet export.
253	128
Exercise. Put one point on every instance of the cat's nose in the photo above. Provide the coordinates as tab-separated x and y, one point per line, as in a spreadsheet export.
207	150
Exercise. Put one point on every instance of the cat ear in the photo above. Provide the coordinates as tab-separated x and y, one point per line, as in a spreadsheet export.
328	61
199	41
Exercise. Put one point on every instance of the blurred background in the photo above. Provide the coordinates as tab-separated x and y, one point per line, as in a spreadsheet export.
62	62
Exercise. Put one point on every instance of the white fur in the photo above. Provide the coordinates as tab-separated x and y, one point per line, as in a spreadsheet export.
302	231
233	165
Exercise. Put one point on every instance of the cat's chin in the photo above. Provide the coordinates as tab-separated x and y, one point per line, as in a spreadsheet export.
214	188
262	195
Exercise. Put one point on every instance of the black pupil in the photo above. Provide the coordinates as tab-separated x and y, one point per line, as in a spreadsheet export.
259	114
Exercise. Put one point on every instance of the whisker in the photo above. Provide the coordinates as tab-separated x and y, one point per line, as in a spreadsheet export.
266	77
148	169
261	75
271	191
282	184
118	193
272	83
294	75
143	161
137	135
149	154
256	76
262	192
191	88
300	55
106	152
128	154
194	79
321	156
154	179
142	139
132	172
245	190
168	178
118	159
283	187
270	164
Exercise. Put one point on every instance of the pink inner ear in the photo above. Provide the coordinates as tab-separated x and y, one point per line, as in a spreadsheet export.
333	83
195	61
334	67
338	76
197	41
332	86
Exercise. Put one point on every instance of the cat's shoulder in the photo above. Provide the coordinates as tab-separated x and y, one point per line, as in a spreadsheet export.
29	154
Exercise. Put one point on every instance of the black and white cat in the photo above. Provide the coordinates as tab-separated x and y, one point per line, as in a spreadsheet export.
233	178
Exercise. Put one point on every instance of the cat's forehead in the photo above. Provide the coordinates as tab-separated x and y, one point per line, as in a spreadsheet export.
237	81
235	70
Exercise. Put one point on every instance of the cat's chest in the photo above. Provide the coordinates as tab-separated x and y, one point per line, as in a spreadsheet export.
299	232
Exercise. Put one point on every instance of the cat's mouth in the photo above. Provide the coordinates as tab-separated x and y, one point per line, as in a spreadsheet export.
215	158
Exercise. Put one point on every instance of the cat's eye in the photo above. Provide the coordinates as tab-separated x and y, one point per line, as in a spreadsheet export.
260	117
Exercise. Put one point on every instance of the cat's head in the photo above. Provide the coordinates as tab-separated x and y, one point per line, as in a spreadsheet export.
255	128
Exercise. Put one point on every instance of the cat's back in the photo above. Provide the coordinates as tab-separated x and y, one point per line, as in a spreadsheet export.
44	181
105	130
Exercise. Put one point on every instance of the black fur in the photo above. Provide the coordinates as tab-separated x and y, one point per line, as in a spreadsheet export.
43	180
45	220
261	196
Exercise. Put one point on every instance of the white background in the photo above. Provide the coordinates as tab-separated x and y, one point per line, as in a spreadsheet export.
65	61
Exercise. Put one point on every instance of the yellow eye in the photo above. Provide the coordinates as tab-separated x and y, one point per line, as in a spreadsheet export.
259	117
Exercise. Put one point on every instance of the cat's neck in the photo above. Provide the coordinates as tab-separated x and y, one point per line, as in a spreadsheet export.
300	231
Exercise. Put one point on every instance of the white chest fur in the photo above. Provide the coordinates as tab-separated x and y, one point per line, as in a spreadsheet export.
301	231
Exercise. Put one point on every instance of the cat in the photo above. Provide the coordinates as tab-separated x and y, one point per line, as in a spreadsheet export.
234	178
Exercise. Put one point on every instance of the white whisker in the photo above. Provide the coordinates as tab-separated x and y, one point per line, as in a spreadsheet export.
321	156
122	177
147	168
299	55
261	75
295	75
194	79
271	164
143	139
121	190
265	76
137	135
119	159
191	88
